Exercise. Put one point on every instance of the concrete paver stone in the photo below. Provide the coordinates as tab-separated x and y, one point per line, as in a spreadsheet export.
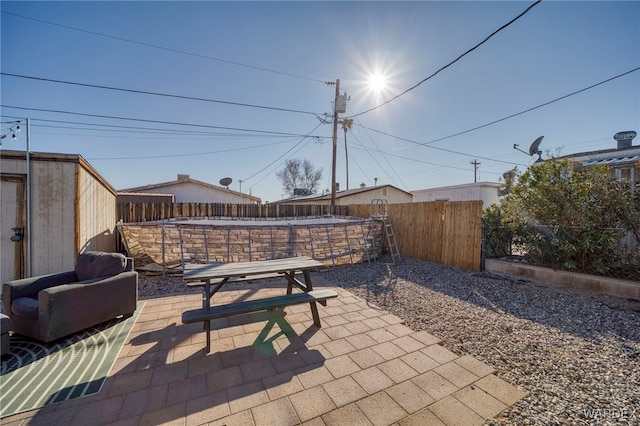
410	397
480	401
348	415
454	413
344	391
498	388
372	407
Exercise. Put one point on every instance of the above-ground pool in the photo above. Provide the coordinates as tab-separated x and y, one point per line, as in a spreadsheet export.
331	240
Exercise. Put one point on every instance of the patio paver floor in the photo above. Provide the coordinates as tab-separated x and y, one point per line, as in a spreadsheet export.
362	367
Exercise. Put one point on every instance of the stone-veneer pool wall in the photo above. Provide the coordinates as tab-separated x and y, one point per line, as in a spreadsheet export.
168	243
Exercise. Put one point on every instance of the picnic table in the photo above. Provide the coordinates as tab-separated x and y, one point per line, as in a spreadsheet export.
217	275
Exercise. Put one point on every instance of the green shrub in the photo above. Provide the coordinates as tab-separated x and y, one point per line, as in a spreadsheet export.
566	217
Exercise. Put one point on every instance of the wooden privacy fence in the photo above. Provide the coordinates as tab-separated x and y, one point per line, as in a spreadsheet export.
129	212
439	231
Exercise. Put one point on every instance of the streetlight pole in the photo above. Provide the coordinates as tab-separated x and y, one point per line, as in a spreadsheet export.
29	206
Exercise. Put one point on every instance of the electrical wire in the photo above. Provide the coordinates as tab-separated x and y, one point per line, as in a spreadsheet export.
169	49
174	123
307	136
535	107
438	148
144	92
174	155
137	129
428	144
375	159
454	61
352	159
357	121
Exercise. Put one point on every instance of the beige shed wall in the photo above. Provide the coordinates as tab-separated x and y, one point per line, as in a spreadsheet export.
97	214
53	236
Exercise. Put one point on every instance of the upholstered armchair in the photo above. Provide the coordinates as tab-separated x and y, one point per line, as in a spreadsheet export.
102	287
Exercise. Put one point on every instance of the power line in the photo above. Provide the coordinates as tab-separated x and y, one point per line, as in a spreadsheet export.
383	156
174	123
435	147
169	49
308	135
455	60
535	107
144	92
174	155
138	129
421	161
427	144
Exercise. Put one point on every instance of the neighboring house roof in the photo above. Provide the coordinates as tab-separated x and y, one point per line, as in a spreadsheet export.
182	179
611	157
340	194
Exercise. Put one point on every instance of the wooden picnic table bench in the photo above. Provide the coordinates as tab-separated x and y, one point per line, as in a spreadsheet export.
247	306
221	274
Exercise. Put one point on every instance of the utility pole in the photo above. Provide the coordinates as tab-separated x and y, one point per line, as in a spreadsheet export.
475	169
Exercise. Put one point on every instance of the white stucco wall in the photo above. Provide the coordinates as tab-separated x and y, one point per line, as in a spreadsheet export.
487	192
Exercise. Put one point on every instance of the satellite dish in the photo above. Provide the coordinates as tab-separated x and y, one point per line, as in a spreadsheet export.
534	146
533	149
226	182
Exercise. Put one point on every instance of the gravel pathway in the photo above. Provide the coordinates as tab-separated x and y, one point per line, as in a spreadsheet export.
576	353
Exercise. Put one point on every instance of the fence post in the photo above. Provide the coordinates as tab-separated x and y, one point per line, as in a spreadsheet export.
164	269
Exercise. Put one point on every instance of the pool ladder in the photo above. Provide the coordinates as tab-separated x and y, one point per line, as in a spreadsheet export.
379	213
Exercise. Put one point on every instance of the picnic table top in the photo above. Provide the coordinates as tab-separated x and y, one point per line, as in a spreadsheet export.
199	272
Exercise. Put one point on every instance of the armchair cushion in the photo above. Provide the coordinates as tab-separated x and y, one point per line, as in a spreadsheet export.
93	264
26	307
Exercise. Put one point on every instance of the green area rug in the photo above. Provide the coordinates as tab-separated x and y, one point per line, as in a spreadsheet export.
34	374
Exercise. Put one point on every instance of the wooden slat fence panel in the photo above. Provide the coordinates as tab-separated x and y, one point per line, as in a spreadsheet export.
439	231
130	212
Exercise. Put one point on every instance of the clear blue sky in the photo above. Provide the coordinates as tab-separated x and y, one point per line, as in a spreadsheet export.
279	54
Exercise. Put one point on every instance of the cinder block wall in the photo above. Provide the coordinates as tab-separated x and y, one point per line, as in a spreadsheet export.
332	244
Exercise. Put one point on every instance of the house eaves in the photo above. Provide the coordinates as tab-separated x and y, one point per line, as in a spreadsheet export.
189	180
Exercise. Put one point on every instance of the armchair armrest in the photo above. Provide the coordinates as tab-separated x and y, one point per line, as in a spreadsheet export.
30	287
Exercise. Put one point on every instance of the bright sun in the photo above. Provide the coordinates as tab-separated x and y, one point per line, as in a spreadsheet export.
377	82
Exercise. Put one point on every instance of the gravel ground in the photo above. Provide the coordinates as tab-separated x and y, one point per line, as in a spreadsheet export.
576	353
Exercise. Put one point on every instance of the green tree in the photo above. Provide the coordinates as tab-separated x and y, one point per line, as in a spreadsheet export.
299	174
